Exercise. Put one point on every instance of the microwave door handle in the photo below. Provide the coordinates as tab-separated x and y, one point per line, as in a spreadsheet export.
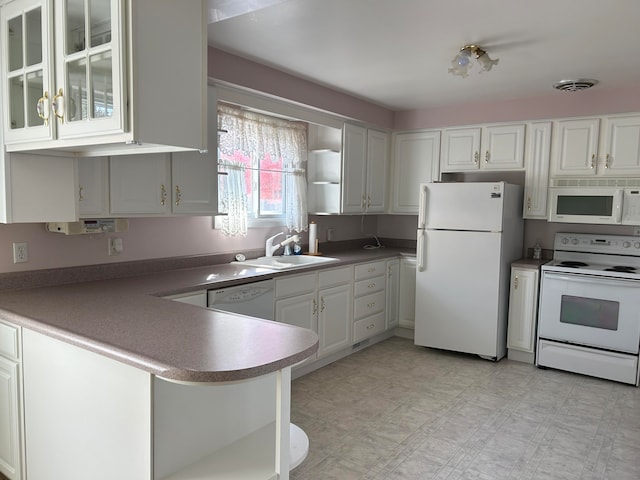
422	207
619	199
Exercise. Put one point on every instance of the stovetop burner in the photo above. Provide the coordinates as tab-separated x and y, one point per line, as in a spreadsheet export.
621	268
573	264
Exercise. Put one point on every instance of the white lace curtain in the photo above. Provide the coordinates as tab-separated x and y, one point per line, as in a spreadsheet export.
255	135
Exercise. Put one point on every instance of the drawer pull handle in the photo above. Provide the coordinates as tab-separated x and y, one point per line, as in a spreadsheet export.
371	285
371	305
369	327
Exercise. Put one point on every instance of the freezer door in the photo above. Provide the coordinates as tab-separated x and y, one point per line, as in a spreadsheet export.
460	302
464	206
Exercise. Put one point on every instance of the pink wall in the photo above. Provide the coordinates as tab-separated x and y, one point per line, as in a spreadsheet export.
556	105
238	71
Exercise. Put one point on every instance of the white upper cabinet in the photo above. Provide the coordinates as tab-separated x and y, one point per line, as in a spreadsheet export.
93	187
575	147
491	147
415	160
536	178
91	76
606	146
364	165
620	152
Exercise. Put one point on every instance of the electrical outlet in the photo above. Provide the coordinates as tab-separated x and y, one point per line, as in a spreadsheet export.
115	246
20	252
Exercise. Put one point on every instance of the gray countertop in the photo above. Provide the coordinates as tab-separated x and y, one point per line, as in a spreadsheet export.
125	319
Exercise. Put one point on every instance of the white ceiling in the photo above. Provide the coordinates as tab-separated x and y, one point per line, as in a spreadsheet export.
395	53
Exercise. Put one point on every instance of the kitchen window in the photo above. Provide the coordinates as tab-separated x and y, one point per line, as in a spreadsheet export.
264	159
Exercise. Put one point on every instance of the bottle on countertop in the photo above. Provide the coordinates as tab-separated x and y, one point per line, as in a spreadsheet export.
537	252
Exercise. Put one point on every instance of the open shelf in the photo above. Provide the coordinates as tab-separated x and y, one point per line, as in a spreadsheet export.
247	458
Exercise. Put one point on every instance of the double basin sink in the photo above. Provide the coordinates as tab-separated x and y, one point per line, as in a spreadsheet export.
286	262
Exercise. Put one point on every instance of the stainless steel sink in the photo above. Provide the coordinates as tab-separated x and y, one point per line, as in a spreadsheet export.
283	262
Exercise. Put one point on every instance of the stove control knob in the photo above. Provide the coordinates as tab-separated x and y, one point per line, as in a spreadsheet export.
574	241
565	240
626	244
637	244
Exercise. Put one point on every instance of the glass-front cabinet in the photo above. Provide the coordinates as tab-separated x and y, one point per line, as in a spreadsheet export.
62	61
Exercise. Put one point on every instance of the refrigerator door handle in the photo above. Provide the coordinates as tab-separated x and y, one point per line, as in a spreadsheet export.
420	250
422	207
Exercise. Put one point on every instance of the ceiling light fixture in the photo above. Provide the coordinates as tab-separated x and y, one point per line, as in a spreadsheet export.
461	63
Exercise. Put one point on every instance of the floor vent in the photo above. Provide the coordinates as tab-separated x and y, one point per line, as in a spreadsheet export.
361	344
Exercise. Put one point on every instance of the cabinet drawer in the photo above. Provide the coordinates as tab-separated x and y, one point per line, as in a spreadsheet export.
9	340
367	327
295	285
369	304
335	276
372	269
371	285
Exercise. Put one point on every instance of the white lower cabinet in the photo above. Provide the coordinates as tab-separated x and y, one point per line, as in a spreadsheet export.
320	301
369	300
407	293
11	416
523	311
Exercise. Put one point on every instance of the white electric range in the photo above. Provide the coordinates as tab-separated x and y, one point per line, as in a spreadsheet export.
589	315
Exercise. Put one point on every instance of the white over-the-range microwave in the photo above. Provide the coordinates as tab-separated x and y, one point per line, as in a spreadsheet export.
604	205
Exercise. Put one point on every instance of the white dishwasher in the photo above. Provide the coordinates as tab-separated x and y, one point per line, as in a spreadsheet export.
255	299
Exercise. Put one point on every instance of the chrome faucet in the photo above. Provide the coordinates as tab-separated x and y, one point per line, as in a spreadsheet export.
269	247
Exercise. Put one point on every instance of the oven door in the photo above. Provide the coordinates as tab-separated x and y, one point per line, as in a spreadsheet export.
590	310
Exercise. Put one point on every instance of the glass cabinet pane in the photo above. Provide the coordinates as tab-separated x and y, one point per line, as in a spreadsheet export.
100	16
16	102
75	19
76	96
35	88
34	37
15	43
101	85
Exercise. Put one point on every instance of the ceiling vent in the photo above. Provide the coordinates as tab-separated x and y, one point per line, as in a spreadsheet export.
575	85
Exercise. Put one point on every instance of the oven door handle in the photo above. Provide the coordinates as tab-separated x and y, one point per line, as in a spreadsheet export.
601	279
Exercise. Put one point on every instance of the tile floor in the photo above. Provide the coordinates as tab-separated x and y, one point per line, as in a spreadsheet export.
395	411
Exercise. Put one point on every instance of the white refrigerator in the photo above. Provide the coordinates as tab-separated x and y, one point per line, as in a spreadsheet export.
468	235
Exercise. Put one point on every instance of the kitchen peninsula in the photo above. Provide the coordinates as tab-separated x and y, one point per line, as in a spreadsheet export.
119	383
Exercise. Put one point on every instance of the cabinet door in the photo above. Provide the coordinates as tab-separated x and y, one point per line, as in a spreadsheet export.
393	290
621	146
89	52
354	164
93	186
334	319
460	149
407	297
502	147
575	147
10	419
416	160
377	161
300	311
536	177
27	89
194	178
523	306
139	184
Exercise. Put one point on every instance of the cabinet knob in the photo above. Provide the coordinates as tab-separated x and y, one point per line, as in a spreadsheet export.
606	161
486	156
42	107
529	203
178	195
593	161
476	158
515	282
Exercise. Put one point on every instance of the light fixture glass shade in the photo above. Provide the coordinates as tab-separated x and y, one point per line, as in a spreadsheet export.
486	63
461	63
